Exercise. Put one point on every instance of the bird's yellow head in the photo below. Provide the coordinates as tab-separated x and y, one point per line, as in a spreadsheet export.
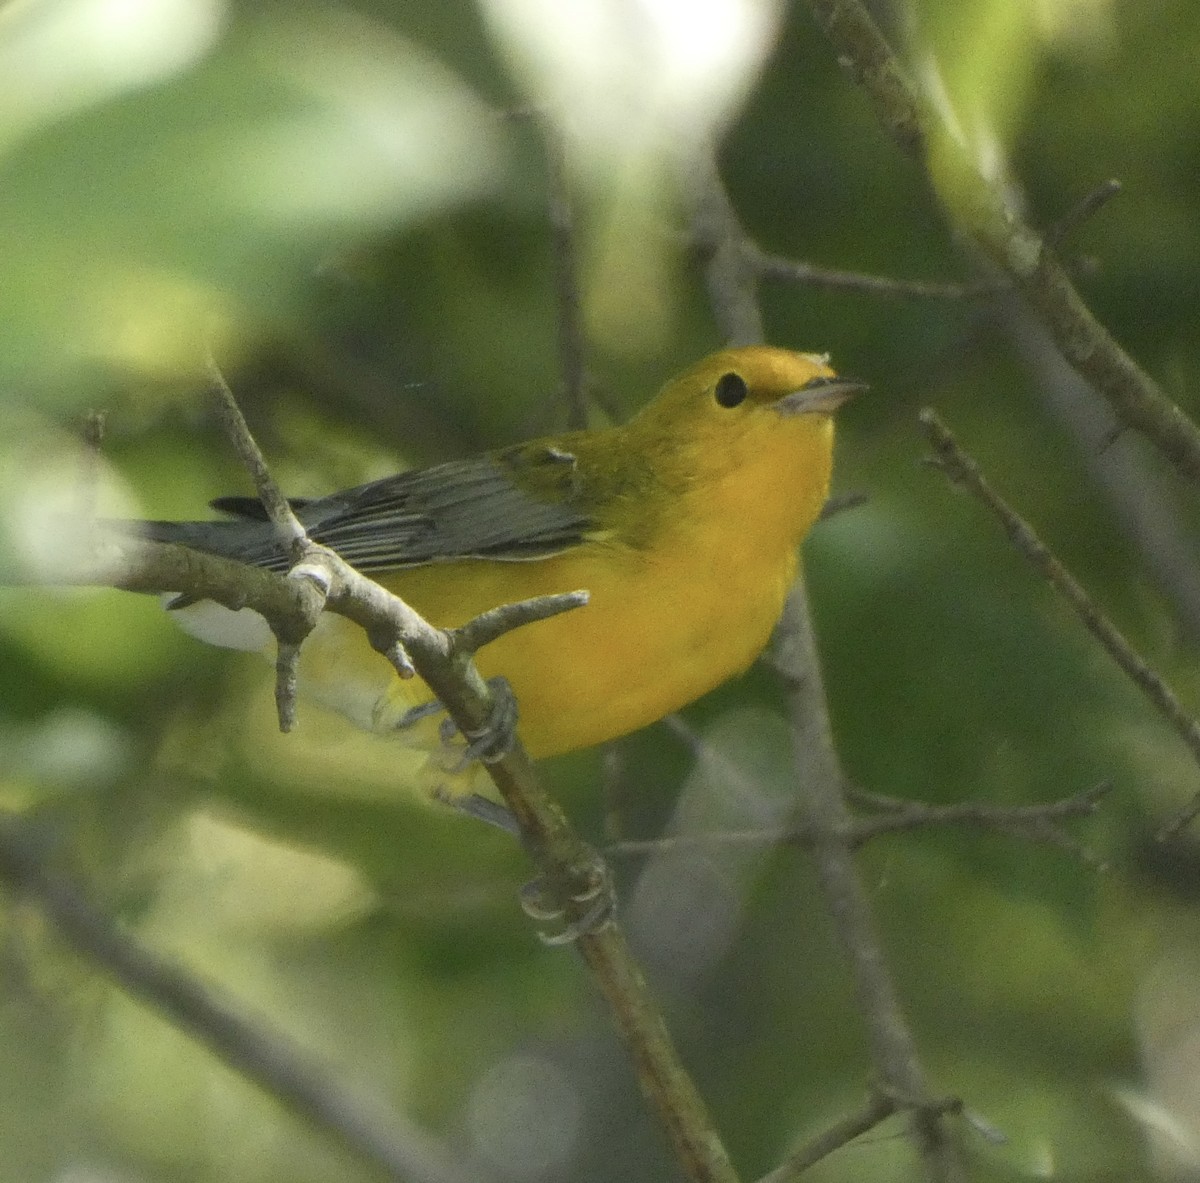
756	414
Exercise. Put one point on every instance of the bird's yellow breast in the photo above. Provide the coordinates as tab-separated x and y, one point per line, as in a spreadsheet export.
665	623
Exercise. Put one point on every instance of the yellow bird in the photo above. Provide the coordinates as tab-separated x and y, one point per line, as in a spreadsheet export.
683	525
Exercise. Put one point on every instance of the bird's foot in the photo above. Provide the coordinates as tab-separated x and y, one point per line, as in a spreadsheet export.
584	912
493	739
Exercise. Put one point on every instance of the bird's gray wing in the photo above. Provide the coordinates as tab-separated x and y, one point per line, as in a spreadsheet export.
461	509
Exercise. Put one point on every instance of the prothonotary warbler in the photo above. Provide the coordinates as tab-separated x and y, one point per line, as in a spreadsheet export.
683	525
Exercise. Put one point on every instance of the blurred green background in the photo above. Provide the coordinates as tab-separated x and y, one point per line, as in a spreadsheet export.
342	200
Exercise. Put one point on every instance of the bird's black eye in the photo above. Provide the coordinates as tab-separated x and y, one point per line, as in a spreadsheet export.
731	390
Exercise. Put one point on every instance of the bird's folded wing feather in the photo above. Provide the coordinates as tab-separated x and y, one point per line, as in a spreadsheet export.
469	508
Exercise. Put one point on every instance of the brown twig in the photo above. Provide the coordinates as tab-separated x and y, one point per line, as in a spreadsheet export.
964	471
375	1133
979	207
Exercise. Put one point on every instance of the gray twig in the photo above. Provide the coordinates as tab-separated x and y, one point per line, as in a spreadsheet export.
288	527
830	279
1031	823
495	622
1081	211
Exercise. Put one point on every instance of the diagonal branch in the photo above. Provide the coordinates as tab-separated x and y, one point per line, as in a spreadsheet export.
962	469
301	1081
573	873
978	207
877	1109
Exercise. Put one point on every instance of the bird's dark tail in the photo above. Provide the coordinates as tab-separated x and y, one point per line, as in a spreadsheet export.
244	540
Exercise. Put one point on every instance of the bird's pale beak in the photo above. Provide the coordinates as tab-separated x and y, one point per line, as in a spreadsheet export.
820	396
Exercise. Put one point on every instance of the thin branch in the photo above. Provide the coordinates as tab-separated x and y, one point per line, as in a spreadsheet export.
1181	820
1082	804
731	285
830	279
893	1046
494	623
1142	493
729	275
737	784
89	476
877	1109
288	528
1086	207
1031	823
841	502
613	789
979	207
375	1133
964	471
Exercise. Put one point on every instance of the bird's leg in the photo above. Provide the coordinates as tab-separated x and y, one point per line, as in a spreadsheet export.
482	809
415	714
491	741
